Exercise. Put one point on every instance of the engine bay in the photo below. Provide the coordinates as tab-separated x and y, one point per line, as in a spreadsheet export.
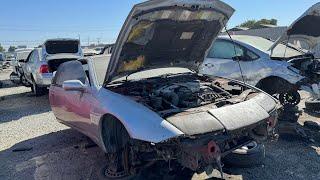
176	93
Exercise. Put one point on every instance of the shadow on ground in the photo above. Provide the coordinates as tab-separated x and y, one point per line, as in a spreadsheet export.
58	155
16	106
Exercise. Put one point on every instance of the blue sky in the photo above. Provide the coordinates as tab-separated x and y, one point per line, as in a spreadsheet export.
31	22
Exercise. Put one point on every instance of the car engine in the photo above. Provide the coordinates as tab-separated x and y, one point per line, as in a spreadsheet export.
176	94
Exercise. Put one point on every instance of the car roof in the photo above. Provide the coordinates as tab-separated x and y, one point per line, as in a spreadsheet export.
242	38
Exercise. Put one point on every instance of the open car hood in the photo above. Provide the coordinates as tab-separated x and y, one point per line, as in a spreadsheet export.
306	29
167	33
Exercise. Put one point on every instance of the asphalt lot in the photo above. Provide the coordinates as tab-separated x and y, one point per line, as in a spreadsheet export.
34	146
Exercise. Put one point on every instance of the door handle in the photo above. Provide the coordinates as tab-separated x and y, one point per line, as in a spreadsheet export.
209	65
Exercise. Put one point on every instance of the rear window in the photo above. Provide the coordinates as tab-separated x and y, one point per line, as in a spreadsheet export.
57	47
23	55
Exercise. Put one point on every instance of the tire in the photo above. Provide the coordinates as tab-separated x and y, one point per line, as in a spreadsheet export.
101	175
116	140
37	91
290	99
115	135
11	78
250	155
24	81
313	105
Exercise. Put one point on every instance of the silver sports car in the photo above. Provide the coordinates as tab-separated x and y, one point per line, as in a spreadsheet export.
146	102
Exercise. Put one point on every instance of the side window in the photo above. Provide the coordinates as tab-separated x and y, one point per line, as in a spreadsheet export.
36	56
222	49
31	58
71	70
225	50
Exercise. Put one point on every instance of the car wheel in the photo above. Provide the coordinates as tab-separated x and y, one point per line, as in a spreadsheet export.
313	104
114	170
250	155
37	91
116	140
291	98
24	81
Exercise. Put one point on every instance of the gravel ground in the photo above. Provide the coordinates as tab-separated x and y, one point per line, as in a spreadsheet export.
34	146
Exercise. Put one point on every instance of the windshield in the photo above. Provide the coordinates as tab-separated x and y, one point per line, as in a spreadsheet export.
262	44
57	47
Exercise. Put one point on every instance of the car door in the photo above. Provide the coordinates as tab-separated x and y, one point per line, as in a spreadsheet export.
29	63
70	106
219	61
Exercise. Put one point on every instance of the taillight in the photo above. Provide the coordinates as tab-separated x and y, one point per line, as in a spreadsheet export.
44	69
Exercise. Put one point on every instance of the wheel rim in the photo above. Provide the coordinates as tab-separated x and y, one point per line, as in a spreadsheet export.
290	98
24	81
116	169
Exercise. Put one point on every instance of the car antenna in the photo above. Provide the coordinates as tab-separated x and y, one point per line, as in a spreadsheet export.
235	52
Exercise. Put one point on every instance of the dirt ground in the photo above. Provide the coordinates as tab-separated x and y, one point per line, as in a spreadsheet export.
33	145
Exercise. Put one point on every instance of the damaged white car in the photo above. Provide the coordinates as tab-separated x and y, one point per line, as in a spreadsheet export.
278	68
148	104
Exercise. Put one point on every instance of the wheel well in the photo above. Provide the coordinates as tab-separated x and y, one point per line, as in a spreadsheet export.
274	85
114	135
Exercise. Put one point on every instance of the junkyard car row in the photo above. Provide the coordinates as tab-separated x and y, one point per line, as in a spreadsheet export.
172	90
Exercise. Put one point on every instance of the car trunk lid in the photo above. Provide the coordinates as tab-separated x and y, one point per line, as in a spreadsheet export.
61	46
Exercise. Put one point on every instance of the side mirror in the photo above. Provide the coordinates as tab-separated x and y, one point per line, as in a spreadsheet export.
74	85
22	60
238	58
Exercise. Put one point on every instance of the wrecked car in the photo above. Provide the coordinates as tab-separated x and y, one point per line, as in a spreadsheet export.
254	66
17	76
52	53
146	102
278	68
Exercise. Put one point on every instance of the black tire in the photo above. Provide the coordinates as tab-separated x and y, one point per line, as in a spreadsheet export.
313	105
115	135
250	155
11	79
37	91
24	81
290	99
116	140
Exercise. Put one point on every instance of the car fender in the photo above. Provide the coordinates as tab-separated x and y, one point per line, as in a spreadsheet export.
280	69
140	122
